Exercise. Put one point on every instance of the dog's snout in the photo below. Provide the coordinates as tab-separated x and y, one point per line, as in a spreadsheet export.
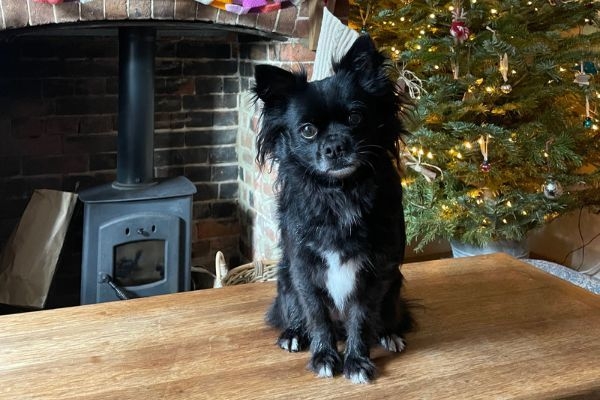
335	147
334	150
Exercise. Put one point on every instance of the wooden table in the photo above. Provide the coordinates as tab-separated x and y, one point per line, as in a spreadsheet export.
490	327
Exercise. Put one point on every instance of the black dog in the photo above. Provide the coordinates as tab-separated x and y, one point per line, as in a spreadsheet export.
340	209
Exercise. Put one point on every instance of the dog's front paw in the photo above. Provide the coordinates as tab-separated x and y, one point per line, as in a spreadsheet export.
359	369
326	363
393	343
292	340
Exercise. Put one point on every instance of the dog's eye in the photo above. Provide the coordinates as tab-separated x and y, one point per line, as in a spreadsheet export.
308	131
355	118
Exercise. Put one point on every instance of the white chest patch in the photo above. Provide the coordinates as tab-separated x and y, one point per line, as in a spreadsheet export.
341	278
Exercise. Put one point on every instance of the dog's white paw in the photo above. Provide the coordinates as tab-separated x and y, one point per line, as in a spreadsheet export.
325	363
325	371
291	345
294	345
292	341
359	377
393	343
359	369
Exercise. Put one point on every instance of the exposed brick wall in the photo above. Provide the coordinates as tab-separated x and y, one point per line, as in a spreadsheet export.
256	198
58	125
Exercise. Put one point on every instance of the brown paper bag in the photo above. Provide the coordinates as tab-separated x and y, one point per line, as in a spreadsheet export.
29	259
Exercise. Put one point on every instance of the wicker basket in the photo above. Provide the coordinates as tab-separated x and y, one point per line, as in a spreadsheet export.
257	271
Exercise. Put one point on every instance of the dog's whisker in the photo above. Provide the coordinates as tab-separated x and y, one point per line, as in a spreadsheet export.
368	164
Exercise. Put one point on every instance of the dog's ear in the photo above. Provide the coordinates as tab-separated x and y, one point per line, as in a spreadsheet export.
362	56
273	84
370	69
366	63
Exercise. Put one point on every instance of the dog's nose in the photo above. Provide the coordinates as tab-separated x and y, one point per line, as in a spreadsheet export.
335	147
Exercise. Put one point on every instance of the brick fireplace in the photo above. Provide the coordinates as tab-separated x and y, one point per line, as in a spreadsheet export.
59	105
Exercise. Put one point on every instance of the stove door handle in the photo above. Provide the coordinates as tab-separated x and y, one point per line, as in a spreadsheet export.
122	293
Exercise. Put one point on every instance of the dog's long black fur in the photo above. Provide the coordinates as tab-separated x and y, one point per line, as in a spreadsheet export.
340	210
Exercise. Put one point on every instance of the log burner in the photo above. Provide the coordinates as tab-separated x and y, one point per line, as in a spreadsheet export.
136	233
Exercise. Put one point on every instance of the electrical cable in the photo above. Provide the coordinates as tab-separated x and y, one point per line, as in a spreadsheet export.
583	243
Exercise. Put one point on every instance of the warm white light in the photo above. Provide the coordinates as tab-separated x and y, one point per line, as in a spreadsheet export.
504	220
509	204
430	155
432	16
422	32
451	8
402	19
493	11
468	145
436	67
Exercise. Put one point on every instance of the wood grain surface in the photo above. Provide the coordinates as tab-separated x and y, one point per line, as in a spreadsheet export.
489	327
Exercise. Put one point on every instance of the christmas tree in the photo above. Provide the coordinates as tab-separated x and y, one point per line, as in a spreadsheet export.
504	132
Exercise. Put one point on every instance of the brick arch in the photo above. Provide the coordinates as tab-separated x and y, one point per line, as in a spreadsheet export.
289	21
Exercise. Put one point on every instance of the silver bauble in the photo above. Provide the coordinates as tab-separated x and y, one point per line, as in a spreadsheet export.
506	88
552	189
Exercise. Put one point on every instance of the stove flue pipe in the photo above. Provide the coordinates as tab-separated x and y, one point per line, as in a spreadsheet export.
135	153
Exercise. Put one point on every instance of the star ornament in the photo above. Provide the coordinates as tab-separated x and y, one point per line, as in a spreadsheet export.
582	79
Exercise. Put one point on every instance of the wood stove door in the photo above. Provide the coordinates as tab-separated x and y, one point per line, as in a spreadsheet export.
142	253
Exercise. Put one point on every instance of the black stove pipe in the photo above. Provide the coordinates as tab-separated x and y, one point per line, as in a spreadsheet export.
135	153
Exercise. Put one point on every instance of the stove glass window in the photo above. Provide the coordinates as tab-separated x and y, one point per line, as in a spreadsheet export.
139	263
